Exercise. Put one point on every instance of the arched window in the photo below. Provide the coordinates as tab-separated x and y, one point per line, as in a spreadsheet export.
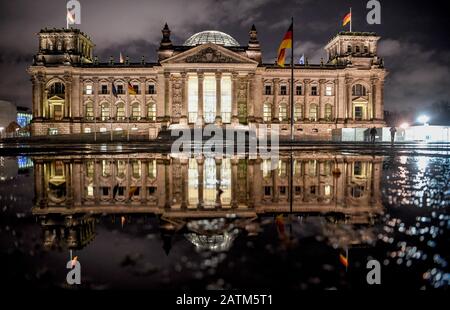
313	112
120	112
328	112
358	90
89	111
349	48
267	112
136	111
57	89
298	112
105	111
151	111
357	49
282	112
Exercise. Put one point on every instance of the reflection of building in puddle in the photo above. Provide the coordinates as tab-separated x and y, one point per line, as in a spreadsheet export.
194	195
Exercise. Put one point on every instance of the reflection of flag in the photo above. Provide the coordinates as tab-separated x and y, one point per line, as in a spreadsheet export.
121	58
70	17
302	59
286	43
347	19
279	221
343	260
114	90
131	90
132	191
74	261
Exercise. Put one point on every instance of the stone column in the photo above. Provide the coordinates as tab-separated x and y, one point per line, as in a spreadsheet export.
184	184
167	201
68	93
76	103
234	180
200	118
305	100
97	108
143	102
166	95
321	114
184	99
250	187
37	96
379	103
234	94
251	97
336	101
200	162
348	88
218	181
218	98
275	118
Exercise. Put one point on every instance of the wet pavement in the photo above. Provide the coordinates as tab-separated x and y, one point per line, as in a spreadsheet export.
136	219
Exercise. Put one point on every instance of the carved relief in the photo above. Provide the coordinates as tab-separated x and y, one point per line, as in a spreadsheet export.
242	92
209	55
176	97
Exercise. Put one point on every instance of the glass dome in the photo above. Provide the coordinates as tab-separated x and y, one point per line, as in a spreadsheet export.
212	36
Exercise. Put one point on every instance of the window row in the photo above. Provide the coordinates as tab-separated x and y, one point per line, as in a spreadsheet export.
120	111
313	114
119	89
298	91
121	168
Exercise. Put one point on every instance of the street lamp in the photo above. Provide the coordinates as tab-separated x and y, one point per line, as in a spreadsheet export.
423	119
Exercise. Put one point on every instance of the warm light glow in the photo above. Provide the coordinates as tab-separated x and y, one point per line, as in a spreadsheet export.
423	119
404	125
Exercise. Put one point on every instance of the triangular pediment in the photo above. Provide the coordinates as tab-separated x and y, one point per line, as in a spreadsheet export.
55	98
360	100
209	53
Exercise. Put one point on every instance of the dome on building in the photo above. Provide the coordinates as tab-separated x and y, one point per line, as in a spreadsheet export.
212	36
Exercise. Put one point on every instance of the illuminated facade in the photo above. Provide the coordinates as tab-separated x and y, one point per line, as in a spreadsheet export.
210	79
182	190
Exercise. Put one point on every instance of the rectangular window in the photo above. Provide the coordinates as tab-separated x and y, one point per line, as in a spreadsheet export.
151	89
313	90
136	89
120	89
104	90
358	113
209	99
298	190
151	190
357	168
225	109
105	191
267	112
298	90
283	190
88	90
268	90
121	191
283	90
267	191
328	90
192	98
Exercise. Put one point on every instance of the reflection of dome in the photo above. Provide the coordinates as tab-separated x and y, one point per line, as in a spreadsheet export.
215	243
211	234
212	36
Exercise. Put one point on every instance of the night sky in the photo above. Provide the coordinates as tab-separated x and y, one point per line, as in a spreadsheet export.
415	36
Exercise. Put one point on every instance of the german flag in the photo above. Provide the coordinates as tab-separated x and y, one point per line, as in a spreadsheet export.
286	43
131	90
347	19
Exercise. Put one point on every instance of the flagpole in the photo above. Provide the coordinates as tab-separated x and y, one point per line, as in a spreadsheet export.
292	83
351	17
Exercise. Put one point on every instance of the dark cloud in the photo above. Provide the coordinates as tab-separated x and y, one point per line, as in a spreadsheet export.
414	35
